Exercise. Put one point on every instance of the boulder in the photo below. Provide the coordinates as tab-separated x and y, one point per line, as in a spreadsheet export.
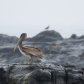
46	36
40	74
74	36
5	39
81	37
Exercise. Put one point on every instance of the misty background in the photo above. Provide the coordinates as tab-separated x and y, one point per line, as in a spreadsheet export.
32	16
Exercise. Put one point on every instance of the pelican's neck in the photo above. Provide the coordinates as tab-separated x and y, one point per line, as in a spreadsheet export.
20	44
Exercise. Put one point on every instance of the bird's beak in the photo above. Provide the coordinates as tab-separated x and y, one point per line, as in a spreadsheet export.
17	44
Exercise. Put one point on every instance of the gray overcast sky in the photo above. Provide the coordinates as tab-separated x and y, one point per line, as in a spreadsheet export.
32	16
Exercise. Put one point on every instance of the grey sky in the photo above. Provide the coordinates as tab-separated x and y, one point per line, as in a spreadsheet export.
32	16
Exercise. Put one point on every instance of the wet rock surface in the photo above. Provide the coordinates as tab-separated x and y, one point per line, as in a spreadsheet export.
57	51
42	73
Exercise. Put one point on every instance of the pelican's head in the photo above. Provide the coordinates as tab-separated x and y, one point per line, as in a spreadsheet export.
22	37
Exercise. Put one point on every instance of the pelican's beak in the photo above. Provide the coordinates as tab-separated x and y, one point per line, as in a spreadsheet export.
17	44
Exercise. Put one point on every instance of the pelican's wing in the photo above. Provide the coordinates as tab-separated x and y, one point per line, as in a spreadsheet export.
33	51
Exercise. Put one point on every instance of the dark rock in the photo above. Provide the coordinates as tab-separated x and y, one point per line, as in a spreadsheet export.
39	77
41	74
5	39
29	74
58	77
81	37
74	36
75	77
3	76
47	36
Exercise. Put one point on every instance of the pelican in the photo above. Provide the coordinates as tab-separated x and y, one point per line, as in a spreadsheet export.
28	51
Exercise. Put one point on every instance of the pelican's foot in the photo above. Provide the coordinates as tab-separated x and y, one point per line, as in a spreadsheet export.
27	62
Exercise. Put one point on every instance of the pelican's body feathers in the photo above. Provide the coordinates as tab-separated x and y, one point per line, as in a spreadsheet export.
31	52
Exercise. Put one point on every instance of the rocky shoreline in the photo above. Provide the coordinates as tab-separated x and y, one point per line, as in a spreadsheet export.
40	73
59	52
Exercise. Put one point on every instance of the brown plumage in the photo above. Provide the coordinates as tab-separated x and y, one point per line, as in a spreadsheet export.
30	52
47	27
